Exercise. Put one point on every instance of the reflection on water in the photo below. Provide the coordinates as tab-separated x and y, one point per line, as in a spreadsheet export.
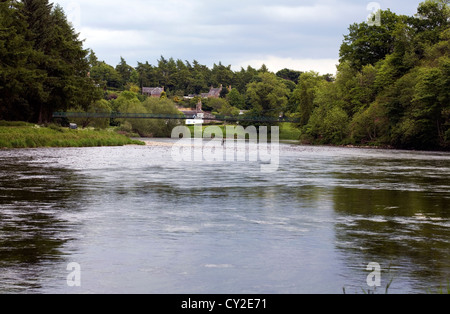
407	231
137	222
33	195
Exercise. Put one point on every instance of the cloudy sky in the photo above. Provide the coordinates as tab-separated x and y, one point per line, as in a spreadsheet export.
297	34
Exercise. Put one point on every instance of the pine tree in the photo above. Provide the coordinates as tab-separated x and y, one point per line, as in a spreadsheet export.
60	58
17	76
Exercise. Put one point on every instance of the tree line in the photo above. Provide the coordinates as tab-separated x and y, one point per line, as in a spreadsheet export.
391	88
43	66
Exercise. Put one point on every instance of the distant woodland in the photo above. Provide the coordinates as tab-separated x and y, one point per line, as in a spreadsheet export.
392	86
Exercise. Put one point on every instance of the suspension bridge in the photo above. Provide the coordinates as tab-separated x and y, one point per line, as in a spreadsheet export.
240	118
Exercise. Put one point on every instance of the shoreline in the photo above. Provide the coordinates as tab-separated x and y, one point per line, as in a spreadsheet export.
149	142
32	136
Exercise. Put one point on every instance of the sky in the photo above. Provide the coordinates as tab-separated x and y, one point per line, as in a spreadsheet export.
302	35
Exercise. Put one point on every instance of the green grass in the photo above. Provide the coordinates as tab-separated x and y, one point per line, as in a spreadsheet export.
287	131
18	135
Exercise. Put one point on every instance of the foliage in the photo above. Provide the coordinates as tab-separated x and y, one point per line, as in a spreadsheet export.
366	44
100	106
128	102
392	86
32	137
236	99
43	65
304	94
267	95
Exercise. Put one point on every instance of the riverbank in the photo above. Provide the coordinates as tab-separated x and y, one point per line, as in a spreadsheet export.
24	135
288	132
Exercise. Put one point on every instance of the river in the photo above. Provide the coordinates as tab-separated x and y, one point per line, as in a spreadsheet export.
134	220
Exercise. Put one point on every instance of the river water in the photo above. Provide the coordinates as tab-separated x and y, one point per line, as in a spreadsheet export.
136	221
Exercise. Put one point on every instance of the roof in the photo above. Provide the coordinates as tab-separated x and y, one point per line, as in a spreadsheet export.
152	90
214	92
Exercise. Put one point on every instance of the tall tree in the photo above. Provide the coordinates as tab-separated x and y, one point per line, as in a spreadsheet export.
125	71
366	44
267	95
60	57
304	94
17	76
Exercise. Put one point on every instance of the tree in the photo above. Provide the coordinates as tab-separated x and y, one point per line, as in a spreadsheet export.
216	104
235	99
125	71
221	74
367	44
17	77
243	78
100	106
329	125
290	75
304	94
268	96
328	122
106	76
161	128
61	60
371	125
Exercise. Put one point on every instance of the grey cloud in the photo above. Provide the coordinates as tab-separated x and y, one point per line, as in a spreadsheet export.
212	31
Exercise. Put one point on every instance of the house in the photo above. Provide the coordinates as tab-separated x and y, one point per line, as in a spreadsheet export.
213	93
152	91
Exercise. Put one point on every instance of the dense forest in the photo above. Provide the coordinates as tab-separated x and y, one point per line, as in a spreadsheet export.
392	86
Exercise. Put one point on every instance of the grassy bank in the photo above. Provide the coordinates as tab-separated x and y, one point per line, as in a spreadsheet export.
23	135
287	131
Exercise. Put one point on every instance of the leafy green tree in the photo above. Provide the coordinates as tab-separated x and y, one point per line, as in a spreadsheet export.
182	78
432	18
328	122
100	106
304	94
161	128
106	76
228	110
367	44
268	96
216	104
328	125
235	99
290	75
371	125
243	78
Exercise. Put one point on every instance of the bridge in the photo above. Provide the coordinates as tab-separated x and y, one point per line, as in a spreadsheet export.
241	118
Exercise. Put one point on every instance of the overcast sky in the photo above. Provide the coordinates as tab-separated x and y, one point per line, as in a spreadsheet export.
297	34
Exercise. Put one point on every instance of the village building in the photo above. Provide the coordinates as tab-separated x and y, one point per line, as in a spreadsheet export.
213	93
152	91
